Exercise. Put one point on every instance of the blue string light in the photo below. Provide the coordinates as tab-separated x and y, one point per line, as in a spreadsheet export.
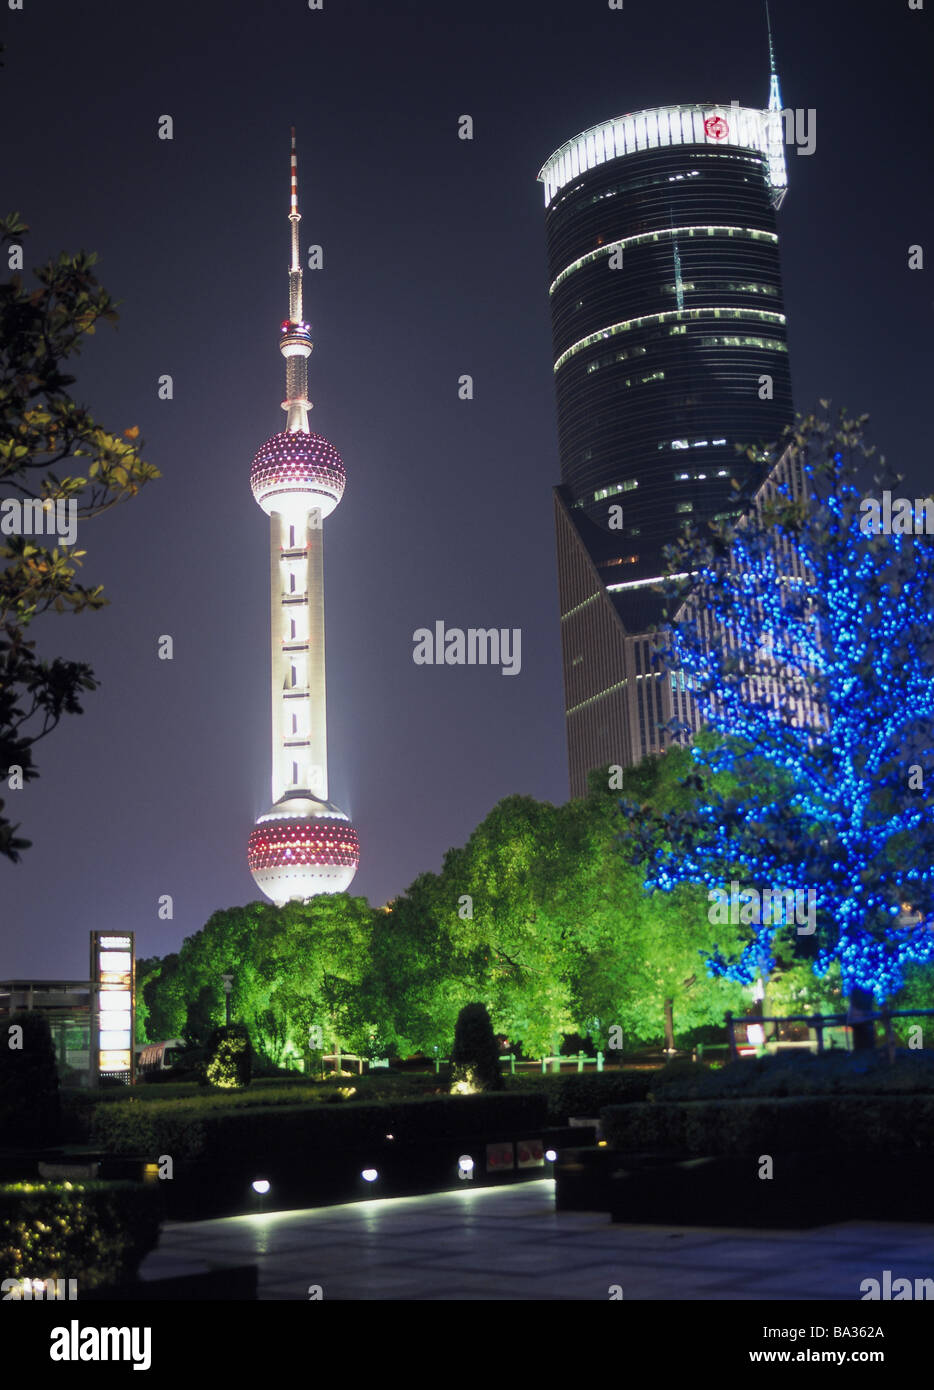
824	671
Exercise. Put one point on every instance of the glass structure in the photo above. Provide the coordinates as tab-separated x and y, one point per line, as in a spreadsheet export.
670	349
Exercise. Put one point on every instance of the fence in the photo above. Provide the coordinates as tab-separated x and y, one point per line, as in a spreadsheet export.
821	1022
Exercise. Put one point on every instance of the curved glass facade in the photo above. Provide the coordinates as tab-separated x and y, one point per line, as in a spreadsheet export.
667	309
667	313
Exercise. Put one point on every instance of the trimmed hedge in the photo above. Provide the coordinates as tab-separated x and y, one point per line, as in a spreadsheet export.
585	1094
805	1074
867	1124
208	1130
94	1232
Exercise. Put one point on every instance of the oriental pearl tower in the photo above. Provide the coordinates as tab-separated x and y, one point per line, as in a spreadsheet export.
304	844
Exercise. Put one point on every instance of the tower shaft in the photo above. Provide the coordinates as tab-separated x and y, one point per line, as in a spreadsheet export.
298	691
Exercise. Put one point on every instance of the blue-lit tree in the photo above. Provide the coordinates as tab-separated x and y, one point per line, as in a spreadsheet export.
816	772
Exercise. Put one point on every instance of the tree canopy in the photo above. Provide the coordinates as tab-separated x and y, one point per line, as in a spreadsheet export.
53	454
822	693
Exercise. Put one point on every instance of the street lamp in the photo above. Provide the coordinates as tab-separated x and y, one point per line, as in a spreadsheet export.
228	986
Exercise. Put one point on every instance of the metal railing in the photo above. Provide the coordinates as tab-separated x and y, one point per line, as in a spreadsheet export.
580	1059
820	1023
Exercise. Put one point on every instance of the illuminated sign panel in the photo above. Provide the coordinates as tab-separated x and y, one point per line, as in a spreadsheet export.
113	971
116	999
744	126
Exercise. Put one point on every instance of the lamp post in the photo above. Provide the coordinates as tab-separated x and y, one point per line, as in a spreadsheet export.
228	986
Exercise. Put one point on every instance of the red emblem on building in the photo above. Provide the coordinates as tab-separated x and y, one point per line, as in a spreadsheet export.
716	127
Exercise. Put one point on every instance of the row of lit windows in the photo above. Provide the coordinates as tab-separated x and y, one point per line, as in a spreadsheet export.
649	180
616	357
763	315
699	477
643	238
605	492
594	698
708	286
688	444
771	344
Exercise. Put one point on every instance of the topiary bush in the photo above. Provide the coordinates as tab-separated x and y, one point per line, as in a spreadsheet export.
475	1056
30	1104
229	1058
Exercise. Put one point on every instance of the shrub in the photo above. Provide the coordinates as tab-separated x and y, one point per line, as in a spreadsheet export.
229	1065
211	1129
30	1105
94	1232
801	1074
869	1124
680	1073
475	1057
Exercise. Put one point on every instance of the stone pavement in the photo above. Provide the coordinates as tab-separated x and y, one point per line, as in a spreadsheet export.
510	1243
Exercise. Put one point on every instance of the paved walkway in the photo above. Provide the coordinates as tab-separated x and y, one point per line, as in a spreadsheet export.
510	1243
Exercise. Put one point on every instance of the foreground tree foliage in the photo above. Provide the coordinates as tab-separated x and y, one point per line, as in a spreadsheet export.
837	805
51	451
542	916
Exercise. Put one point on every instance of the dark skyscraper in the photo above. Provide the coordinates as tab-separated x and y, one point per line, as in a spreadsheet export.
670	349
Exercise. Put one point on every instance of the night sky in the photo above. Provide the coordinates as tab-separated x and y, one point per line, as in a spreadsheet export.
434	266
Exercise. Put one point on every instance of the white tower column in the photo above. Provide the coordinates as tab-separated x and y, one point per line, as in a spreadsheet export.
304	844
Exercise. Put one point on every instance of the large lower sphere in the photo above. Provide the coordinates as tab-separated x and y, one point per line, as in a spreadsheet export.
303	847
295	470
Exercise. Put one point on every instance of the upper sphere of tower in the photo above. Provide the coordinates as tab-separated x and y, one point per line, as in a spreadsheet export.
294	470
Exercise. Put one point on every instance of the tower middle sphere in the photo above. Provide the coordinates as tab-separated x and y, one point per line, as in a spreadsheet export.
294	471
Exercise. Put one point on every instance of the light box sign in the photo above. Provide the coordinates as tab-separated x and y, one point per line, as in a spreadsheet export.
113	971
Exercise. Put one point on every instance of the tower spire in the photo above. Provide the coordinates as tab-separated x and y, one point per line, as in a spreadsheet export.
775	96
295	343
778	172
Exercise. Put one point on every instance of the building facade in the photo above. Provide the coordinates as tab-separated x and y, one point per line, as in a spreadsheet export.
670	349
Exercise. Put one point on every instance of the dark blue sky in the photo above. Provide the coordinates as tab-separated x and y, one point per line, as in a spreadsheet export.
434	266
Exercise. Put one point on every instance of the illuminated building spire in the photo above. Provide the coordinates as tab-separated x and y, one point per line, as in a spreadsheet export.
295	343
775	96
778	171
